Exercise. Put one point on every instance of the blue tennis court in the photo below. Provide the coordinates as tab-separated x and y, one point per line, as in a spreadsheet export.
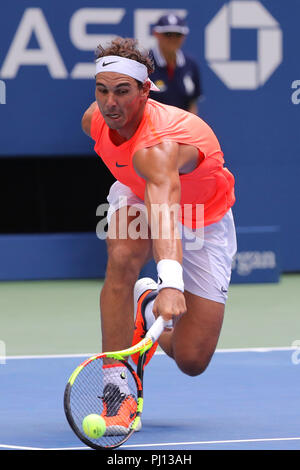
55	181
246	400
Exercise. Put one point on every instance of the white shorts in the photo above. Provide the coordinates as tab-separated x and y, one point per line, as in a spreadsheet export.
207	253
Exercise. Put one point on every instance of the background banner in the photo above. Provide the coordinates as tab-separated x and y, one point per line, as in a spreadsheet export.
247	53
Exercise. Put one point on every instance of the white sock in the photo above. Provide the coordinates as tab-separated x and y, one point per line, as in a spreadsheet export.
116	374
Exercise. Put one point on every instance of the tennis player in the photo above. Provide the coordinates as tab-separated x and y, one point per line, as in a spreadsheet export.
165	160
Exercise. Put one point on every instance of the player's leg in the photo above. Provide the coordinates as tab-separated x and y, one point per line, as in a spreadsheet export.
207	272
194	338
207	269
127	253
126	257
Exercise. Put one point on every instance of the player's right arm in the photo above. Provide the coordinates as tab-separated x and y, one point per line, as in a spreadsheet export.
87	119
158	165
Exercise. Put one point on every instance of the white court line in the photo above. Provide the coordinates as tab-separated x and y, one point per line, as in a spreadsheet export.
4	446
158	353
231	441
51	356
166	444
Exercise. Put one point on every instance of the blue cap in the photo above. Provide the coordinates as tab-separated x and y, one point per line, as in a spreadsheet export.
171	23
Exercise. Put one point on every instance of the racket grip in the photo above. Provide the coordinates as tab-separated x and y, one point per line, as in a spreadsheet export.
157	328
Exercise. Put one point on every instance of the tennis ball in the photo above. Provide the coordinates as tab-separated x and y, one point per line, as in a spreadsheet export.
94	426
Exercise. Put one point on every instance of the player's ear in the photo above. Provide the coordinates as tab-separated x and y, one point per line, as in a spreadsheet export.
146	89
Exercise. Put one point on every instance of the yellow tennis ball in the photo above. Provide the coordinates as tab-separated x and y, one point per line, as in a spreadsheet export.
94	426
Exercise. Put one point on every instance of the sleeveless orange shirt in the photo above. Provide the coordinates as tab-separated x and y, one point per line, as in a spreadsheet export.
210	184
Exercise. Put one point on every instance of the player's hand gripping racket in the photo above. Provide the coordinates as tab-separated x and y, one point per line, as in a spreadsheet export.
100	413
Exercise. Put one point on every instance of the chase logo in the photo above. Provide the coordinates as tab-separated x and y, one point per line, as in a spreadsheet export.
243	74
34	22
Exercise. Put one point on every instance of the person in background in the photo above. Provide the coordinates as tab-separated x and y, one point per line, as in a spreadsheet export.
176	74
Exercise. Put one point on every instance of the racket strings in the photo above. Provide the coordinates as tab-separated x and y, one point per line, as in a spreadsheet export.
108	393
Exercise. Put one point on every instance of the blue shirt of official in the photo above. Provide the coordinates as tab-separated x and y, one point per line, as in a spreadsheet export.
183	87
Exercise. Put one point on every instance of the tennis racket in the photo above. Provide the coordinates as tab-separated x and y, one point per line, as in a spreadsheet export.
92	389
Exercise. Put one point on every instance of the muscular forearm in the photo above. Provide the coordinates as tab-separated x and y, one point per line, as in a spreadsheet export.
158	165
163	210
167	252
162	199
167	245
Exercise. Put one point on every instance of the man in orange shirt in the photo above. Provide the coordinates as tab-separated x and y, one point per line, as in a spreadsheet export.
167	158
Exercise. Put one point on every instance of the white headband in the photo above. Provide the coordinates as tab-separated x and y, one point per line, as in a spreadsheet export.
132	68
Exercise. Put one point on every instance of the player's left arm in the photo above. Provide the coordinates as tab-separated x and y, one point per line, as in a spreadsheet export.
158	165
87	119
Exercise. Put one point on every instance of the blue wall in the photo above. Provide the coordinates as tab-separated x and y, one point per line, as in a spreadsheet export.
84	256
251	102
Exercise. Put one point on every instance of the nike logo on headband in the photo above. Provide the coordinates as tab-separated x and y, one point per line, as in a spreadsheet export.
108	63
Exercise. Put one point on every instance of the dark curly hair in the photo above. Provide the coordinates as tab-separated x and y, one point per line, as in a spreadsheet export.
128	48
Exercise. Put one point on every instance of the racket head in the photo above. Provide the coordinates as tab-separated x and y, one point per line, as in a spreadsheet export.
85	390
84	395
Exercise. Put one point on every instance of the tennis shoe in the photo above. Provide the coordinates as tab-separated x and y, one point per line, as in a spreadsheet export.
145	289
119	411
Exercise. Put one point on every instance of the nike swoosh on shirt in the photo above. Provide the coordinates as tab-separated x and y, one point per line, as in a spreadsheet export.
104	64
119	165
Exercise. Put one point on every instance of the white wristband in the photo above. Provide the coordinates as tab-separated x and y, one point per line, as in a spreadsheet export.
169	275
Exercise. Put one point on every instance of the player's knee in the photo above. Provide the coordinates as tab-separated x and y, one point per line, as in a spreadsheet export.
192	366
